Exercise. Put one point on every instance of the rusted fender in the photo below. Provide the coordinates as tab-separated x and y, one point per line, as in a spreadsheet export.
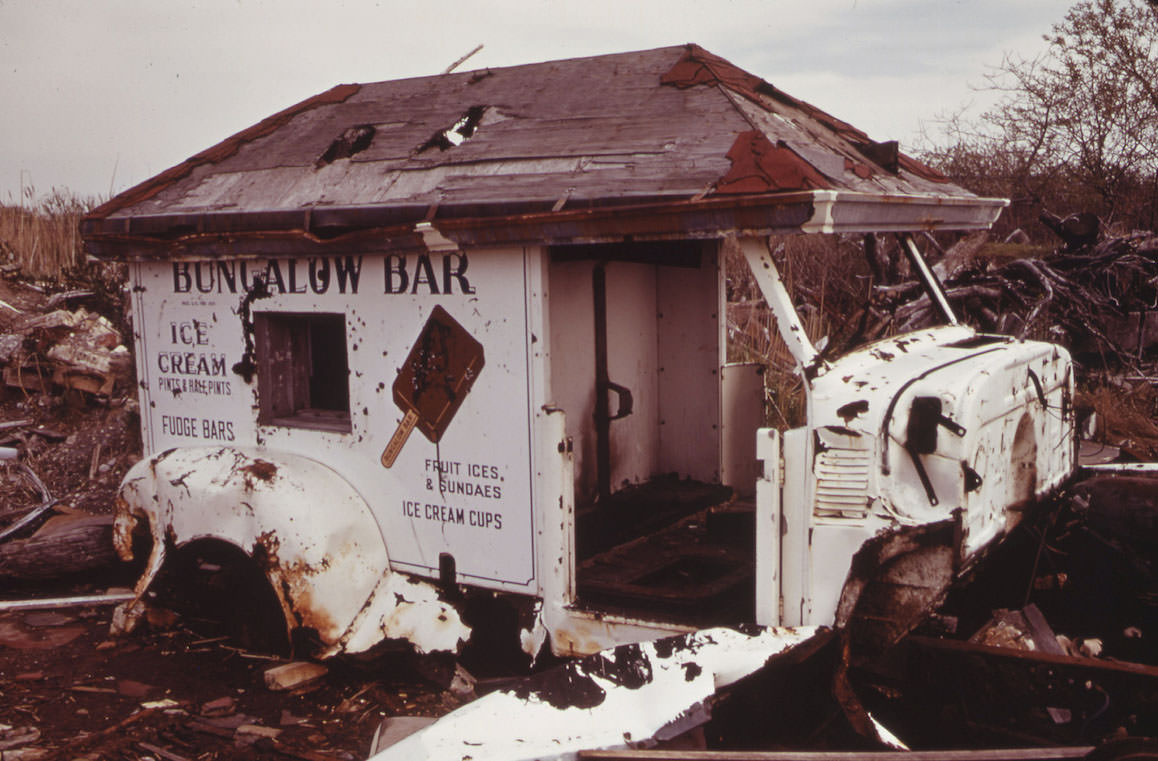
626	697
313	534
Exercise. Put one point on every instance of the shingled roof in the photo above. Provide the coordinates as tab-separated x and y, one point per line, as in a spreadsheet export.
666	143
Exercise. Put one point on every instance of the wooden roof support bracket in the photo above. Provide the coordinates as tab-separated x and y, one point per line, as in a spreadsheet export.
759	257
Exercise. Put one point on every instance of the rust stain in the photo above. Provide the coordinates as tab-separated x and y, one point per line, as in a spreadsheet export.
860	169
758	166
699	67
294	588
123	527
260	469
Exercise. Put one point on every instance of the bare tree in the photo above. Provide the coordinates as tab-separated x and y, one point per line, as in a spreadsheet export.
1075	128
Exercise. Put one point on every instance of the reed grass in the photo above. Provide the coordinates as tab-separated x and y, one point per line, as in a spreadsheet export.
828	277
41	235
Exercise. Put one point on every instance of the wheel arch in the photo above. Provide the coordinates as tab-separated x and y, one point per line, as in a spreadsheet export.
312	533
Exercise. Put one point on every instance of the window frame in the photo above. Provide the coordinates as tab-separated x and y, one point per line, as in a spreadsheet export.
290	377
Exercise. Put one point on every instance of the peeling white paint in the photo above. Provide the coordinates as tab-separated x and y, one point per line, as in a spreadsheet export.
627	697
329	568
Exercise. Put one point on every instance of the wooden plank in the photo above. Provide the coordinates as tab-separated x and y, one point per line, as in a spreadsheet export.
51	603
999	754
1035	657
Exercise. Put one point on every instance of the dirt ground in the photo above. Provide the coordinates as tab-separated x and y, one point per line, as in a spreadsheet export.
174	689
91	696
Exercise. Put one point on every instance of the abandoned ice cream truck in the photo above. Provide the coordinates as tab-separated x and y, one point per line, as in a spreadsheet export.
411	345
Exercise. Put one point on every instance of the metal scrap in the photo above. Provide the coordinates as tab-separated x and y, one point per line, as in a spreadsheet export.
629	696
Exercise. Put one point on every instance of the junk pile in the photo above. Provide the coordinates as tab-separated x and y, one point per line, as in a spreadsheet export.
1095	296
1044	649
67	432
72	351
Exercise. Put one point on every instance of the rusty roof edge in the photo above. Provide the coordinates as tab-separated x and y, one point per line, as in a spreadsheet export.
818	211
533	222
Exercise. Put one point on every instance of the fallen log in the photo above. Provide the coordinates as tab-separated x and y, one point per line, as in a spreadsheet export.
64	545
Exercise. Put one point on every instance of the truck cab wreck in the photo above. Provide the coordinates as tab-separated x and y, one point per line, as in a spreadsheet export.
411	343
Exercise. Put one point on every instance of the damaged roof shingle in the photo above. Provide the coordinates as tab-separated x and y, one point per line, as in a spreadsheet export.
660	126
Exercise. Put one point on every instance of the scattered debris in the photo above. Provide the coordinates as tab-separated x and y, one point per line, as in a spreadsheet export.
1095	297
78	351
295	675
624	697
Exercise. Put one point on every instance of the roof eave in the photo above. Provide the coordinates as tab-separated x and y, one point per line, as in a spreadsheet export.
857	212
319	230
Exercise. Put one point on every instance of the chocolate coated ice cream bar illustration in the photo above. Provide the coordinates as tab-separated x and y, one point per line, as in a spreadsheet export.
436	376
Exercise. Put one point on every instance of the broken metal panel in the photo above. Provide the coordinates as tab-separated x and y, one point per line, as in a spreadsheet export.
329	569
630	696
758	166
894	581
575	631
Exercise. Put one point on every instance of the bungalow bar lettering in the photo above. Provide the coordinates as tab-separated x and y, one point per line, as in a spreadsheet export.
425	274
312	275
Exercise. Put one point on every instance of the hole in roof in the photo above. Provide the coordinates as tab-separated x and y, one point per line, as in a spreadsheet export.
457	133
353	140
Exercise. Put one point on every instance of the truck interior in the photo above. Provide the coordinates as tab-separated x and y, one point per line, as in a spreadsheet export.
638	341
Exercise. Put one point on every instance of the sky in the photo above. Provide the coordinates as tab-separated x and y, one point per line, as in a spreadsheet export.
99	95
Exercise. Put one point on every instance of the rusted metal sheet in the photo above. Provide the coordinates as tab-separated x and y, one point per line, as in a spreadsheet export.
629	696
758	166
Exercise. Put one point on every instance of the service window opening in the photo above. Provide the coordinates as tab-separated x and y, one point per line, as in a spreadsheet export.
303	372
